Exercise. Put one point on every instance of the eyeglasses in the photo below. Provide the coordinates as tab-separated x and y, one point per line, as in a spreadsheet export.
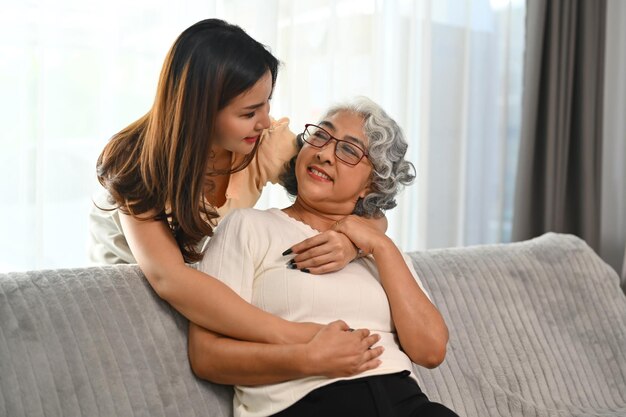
346	151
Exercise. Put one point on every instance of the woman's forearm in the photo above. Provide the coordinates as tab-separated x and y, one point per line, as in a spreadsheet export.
332	352
211	304
199	297
421	329
227	361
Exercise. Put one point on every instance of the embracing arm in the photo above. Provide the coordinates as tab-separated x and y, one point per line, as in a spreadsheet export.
202	299
421	329
333	352
331	251
234	253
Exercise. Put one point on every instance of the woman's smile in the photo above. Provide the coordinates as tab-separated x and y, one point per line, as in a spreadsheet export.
252	139
318	174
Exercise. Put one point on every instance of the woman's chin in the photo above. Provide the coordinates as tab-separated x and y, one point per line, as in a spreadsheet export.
241	148
242	151
314	191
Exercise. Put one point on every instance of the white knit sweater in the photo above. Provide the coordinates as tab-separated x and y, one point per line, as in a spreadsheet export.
245	253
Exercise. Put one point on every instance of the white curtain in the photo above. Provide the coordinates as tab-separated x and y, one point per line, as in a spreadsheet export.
73	73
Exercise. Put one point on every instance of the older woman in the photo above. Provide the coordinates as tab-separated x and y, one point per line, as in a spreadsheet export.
351	162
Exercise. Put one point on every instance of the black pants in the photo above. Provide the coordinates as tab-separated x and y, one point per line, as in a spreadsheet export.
394	395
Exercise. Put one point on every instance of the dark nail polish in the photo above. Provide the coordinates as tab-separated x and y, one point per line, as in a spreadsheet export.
291	261
304	270
287	252
292	266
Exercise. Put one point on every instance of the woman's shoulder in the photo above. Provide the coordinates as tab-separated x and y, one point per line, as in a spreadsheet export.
278	140
279	125
255	213
252	215
279	128
279	135
248	223
277	146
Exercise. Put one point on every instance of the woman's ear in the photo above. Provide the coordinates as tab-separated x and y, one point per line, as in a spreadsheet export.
367	186
367	189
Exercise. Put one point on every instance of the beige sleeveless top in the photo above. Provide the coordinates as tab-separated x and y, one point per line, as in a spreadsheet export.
107	243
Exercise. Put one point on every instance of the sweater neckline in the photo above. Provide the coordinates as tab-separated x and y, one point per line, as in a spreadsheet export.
302	224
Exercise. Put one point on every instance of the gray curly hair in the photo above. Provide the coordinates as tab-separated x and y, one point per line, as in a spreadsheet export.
387	148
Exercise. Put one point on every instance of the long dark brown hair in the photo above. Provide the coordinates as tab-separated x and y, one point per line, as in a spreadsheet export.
158	164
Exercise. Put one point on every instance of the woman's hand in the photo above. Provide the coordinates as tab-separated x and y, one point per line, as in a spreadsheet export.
338	351
364	234
328	251
331	251
334	351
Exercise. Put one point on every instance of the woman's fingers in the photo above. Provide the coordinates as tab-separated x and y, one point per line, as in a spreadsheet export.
323	269
371	359
313	253
341	325
370	340
313	262
337	350
365	335
373	364
329	251
309	243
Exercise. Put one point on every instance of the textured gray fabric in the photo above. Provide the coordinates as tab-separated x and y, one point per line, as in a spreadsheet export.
624	273
559	178
537	328
96	342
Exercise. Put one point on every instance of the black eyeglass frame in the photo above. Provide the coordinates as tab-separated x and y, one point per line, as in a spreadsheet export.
331	137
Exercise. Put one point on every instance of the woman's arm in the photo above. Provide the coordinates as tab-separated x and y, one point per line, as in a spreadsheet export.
330	251
207	302
421	329
333	352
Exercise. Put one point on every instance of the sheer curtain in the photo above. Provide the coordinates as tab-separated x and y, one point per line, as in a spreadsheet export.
450	72
73	73
613	223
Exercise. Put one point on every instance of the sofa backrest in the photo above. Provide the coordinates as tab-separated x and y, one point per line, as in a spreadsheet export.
537	328
96	342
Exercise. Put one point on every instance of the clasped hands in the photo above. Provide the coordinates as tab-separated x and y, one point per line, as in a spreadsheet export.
338	351
333	249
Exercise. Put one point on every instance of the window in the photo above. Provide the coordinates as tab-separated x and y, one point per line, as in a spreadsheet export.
74	73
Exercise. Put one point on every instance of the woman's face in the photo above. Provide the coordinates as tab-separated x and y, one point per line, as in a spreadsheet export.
238	126
324	181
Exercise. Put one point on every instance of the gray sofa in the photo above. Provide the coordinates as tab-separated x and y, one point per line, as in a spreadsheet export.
537	328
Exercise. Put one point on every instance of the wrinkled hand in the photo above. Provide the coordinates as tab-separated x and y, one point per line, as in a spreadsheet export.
335	351
326	252
363	233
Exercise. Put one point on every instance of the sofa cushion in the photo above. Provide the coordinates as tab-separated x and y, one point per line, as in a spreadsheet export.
96	342
537	328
